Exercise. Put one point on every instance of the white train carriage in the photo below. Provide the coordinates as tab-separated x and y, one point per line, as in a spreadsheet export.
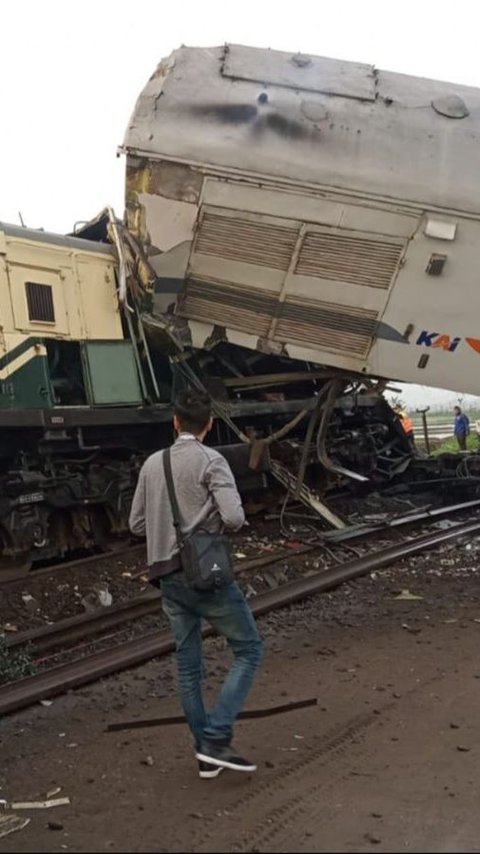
322	209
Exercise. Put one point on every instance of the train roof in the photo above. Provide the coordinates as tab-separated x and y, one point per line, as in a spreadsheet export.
69	241
313	121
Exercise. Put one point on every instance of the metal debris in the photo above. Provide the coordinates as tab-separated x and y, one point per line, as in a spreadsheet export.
179	719
306	496
53	792
39	805
406	596
12	823
99	597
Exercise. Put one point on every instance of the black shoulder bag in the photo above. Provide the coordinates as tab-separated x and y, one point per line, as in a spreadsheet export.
206	558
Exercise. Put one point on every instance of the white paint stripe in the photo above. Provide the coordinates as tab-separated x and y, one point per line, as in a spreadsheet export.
21	360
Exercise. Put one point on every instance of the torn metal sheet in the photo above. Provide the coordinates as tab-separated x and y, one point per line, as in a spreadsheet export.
305	495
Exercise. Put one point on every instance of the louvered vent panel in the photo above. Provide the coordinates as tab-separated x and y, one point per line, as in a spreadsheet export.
249	242
40	302
240	308
354	260
327	326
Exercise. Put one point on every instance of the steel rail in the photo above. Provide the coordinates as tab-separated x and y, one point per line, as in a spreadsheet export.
9	577
18	695
354	531
81	626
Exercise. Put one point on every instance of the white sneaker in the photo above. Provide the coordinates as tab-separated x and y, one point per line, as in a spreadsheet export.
207	771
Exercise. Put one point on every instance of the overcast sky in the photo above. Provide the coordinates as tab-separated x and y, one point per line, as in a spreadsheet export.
70	74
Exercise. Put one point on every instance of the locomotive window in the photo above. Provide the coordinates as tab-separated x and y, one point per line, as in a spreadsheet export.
40	302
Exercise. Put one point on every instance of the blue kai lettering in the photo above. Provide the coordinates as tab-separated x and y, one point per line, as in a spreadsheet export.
440	342
426	338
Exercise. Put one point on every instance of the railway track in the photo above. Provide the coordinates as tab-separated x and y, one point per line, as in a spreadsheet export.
81	626
14	575
88	625
18	695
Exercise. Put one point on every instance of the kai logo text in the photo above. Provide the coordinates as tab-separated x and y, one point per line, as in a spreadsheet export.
441	341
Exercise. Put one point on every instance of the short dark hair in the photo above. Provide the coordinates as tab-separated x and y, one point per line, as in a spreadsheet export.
193	409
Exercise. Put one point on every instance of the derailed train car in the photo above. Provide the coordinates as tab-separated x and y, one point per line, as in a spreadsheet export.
283	249
84	397
324	210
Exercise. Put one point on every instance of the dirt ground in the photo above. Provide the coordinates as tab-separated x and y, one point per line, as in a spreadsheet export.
388	759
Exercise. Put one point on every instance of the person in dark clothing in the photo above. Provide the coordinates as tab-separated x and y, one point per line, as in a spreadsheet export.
461	427
208	500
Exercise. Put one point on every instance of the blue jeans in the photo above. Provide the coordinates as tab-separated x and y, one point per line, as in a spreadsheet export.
227	611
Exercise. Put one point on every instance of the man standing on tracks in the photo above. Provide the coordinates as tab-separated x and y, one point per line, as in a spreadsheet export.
208	500
461	427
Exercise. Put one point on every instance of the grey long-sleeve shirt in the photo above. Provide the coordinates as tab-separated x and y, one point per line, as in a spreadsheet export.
207	497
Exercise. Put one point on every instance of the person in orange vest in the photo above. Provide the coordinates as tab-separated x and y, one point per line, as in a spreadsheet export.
406	422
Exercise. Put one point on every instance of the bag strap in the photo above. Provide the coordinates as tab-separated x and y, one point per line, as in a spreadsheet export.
167	468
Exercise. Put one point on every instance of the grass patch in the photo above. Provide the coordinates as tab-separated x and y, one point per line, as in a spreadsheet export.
14	665
450	446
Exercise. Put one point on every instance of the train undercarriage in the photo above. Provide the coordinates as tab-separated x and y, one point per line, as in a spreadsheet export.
68	473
